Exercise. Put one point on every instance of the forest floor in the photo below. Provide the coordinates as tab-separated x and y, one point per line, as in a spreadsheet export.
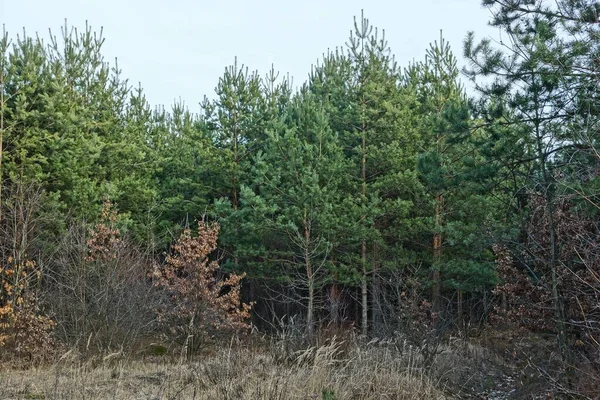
280	370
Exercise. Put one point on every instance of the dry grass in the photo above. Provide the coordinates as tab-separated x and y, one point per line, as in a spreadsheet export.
328	372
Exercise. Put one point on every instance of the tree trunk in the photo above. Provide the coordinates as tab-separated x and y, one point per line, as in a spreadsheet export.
234	200
310	312
401	299
437	255
236	158
556	298
235	183
1	123
334	304
459	317
310	278
363	291
553	261
375	292
364	283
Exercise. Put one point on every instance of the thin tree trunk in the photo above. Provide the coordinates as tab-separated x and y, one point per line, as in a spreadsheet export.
556	298
401	295
334	304
375	292
364	293
310	277
1	124
236	159
437	254
310	312
234	200
459	295
235	183
554	257
334	299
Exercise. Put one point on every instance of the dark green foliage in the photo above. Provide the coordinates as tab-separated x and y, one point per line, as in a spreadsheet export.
451	169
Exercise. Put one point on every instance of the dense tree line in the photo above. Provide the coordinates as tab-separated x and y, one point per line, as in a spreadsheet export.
374	193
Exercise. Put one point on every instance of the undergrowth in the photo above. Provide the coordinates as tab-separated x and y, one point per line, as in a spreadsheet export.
234	372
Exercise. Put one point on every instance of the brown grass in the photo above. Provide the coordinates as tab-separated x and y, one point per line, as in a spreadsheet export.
328	372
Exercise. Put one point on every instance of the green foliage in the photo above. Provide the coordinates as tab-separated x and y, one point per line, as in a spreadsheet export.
369	182
328	394
297	186
73	124
541	102
184	177
374	117
236	121
456	202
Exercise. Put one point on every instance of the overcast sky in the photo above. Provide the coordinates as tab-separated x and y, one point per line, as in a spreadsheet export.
179	48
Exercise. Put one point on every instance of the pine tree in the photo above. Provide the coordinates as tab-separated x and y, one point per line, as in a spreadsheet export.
234	119
385	144
297	197
447	167
374	117
187	175
235	122
538	89
68	111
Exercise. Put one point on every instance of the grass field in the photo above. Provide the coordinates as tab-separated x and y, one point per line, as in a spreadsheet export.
331	371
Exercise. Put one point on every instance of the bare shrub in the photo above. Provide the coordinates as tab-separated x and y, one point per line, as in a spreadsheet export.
98	289
25	329
523	303
406	313
526	293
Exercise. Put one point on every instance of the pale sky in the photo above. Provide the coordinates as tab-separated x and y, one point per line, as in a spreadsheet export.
180	48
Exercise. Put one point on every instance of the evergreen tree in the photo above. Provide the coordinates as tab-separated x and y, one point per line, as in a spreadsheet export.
68	111
374	116
447	169
234	122
540	82
185	176
385	145
298	198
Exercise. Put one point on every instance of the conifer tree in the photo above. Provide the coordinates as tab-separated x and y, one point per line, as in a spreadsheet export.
234	120
67	107
297	197
540	81
374	116
186	175
385	144
235	124
446	166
